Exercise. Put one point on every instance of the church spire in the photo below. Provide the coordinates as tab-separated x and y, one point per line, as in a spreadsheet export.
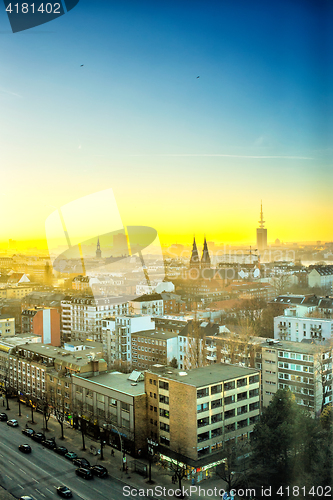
194	261
98	250
205	259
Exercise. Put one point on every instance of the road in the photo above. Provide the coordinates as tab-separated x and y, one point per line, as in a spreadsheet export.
39	473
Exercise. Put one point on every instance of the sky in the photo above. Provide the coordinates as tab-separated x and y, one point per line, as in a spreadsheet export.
182	154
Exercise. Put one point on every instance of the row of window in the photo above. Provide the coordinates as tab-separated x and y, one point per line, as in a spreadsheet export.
294	367
151	341
228	386
293	355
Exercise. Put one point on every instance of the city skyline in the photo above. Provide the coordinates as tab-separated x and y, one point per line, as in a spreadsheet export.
182	154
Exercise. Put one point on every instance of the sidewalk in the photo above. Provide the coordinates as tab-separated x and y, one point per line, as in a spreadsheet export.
162	487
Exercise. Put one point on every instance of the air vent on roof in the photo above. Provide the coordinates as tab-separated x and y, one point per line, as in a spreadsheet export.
170	373
182	374
134	384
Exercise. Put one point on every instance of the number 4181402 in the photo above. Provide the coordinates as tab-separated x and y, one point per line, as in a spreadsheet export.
25	8
315	491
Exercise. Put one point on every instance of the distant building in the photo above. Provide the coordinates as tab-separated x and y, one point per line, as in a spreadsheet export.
151	304
43	321
98	250
7	326
296	328
261	233
321	276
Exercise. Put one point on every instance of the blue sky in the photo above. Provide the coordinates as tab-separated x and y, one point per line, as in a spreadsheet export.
256	124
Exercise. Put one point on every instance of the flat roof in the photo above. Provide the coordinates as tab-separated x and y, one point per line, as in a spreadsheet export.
207	375
118	382
155	334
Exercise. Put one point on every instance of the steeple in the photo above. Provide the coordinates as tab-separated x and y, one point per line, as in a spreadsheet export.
205	259
194	261
98	250
261	222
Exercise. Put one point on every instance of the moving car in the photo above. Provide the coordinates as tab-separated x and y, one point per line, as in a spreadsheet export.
61	450
25	448
71	455
64	492
85	473
99	470
81	462
12	423
28	432
3	417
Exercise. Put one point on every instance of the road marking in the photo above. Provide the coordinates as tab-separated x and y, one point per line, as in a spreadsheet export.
40	493
20	486
9	477
35	480
23	471
49	490
11	462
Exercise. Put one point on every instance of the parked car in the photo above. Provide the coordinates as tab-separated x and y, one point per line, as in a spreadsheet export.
85	473
64	492
71	455
39	437
61	450
3	417
25	448
81	462
12	423
26	497
28	432
49	443
99	470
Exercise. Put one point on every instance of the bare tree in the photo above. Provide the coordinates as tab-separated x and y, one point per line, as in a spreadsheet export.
195	347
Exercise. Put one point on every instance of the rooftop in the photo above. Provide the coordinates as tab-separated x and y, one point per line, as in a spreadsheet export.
118	382
207	375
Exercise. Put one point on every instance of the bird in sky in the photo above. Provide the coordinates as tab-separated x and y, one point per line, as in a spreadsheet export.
198	76
81	65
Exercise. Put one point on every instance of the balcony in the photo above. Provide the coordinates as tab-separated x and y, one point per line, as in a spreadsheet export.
212	357
211	348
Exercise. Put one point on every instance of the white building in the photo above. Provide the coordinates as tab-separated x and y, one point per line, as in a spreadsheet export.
321	276
82	316
117	335
296	329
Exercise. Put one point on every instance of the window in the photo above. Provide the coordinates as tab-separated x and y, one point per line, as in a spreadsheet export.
254	379
164	427
164	413
228	386
201	393
164	441
125	406
216	403
203	421
254	406
215	389
216	418
241	396
217	432
203	407
163	385
229	414
241	382
164	399
253	393
203	436
230	428
241	410
229	400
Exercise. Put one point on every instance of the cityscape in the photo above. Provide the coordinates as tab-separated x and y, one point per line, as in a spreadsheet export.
166	250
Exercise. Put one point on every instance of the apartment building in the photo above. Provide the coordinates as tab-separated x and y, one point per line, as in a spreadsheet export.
117	334
296	329
82	317
44	372
7	326
153	347
304	368
219	403
43	321
118	403
151	304
321	276
16	291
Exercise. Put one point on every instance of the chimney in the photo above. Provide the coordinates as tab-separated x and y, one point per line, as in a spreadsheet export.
95	369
